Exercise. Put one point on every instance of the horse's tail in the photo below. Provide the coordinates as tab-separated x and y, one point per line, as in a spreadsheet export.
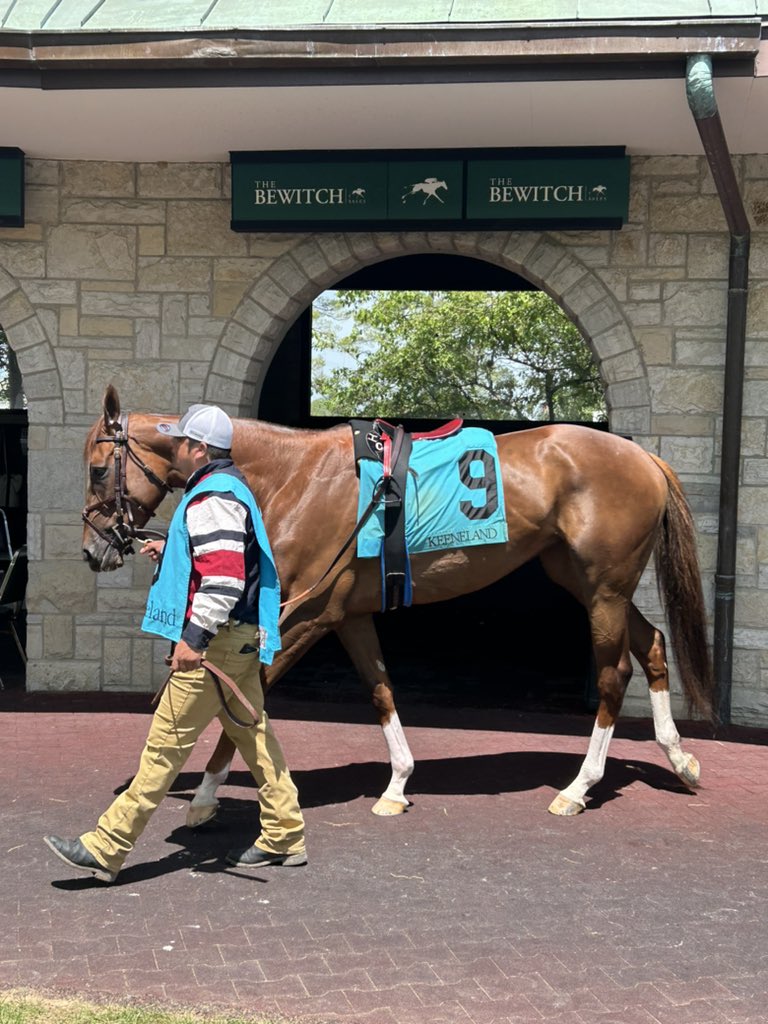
679	582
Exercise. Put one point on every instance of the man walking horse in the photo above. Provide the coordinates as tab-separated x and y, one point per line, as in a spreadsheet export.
592	506
215	596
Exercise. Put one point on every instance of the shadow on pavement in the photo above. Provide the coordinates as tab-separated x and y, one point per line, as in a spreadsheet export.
482	774
203	849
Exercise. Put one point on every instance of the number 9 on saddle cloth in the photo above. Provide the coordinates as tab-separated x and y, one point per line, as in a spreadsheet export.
440	490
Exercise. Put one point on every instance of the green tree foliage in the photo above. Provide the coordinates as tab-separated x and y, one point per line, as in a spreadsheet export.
4	382
11	395
481	355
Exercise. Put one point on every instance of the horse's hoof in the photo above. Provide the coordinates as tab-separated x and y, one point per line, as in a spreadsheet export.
197	816
564	806
690	773
386	808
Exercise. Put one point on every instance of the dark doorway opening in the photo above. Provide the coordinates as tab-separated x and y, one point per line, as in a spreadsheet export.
13	546
521	643
490	649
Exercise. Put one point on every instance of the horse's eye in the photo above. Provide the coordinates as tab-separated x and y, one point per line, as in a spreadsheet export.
98	473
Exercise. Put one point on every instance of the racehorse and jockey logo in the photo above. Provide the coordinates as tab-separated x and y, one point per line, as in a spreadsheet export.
428	188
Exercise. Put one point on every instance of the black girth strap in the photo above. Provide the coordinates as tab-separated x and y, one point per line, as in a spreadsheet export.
391	446
395	554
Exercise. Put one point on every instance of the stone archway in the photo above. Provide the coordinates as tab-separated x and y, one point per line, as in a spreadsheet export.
34	353
50	477
279	295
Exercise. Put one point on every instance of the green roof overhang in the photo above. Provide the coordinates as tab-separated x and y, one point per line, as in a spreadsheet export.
196	16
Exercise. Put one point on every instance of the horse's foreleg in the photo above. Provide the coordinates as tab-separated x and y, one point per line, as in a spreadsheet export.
296	641
358	636
610	638
647	645
204	803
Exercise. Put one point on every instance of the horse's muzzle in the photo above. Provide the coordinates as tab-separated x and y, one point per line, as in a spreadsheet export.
105	560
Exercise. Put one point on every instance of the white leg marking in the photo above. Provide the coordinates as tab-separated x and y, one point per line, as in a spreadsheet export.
205	794
593	768
666	732
401	759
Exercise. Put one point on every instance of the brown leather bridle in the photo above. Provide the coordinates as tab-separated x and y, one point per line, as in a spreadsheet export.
123	531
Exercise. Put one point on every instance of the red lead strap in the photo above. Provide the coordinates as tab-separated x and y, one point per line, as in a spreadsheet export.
386	440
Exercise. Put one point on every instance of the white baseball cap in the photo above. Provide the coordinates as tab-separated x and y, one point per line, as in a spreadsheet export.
206	423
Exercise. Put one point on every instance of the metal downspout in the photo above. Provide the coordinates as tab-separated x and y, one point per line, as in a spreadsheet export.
701	100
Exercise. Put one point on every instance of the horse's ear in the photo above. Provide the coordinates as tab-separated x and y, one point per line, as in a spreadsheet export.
111	408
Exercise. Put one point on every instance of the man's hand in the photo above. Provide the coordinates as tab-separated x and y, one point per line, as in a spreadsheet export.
153	549
185	658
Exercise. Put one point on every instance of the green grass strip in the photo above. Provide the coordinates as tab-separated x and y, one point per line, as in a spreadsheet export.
25	1008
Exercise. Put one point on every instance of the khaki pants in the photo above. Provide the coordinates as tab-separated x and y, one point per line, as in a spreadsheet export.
189	703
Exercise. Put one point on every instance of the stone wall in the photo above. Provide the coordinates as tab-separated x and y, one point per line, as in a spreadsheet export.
130	273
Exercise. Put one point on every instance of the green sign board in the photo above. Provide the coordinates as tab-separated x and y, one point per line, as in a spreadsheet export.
425	190
429	189
294	192
11	187
532	190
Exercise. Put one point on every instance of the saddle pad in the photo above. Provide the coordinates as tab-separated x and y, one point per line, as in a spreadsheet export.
453	496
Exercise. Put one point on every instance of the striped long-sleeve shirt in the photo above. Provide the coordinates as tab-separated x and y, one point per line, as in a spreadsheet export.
219	528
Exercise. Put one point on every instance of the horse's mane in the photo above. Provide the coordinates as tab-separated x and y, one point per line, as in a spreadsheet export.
284	438
279	428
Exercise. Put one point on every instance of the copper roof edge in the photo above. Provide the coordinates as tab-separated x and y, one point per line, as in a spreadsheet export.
442	45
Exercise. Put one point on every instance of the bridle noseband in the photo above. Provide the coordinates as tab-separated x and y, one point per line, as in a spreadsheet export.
123	532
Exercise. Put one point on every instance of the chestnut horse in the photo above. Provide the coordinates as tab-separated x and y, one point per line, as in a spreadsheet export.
592	506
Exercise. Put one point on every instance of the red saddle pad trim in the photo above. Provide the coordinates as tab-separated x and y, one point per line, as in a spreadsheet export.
447	430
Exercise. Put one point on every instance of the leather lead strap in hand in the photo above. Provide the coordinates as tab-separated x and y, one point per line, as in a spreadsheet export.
220	677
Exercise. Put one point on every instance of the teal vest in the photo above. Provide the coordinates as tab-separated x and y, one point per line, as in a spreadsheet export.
169	593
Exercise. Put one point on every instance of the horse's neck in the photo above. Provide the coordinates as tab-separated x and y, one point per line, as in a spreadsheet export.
273	457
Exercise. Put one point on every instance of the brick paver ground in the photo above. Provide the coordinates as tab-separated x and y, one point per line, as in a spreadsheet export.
476	907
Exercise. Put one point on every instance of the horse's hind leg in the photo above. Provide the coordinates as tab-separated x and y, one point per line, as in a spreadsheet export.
647	645
358	636
610	639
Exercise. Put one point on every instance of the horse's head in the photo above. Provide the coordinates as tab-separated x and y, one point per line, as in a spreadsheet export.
129	472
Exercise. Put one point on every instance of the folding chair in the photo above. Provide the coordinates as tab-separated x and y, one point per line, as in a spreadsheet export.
13	588
5	533
6	549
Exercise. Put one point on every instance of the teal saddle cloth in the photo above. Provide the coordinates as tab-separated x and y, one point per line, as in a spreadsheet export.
453	498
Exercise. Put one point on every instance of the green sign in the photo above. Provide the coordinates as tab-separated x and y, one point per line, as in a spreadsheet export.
535	190
11	187
429	189
425	190
297	192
